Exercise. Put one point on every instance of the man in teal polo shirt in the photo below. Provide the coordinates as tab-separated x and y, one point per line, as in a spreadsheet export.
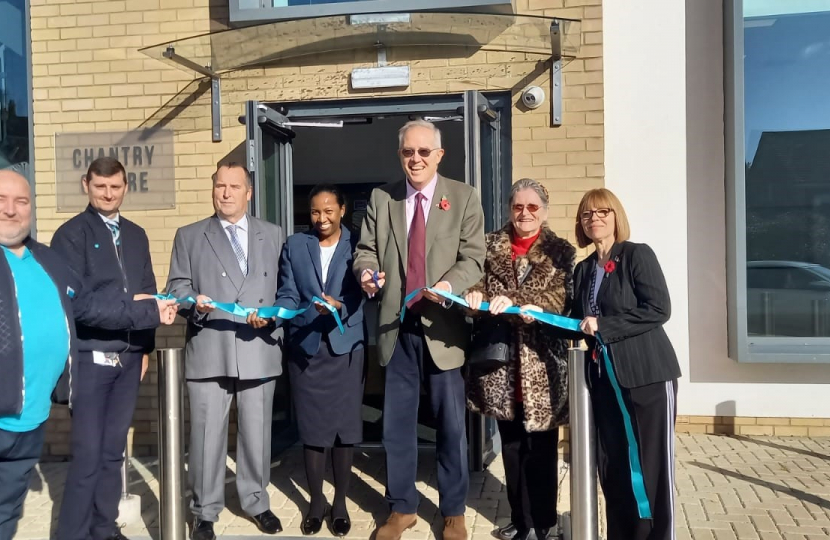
34	344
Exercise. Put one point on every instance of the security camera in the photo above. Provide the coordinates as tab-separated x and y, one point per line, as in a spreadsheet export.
533	97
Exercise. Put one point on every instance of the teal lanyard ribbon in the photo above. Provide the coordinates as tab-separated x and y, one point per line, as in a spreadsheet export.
264	312
567	323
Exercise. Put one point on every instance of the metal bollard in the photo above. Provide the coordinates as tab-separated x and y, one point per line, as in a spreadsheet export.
125	475
583	519
171	444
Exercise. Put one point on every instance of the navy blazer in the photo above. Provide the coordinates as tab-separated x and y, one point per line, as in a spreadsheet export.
300	279
85	243
634	304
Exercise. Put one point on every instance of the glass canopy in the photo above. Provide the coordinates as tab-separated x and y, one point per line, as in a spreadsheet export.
271	43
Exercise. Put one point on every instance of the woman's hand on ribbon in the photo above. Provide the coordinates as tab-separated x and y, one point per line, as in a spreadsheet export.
322	309
204	304
499	304
529	307
589	326
474	299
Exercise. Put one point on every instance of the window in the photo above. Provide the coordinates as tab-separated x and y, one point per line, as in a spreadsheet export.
15	121
248	11
781	141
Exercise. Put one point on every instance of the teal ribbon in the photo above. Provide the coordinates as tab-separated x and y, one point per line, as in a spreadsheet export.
567	323
264	312
637	482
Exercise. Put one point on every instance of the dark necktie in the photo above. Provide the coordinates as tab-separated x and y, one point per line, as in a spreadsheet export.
416	264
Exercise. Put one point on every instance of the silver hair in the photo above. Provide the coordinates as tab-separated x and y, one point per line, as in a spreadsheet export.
529	183
419	123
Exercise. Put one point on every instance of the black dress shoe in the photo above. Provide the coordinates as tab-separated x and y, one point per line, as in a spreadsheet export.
268	523
117	536
508	532
202	530
311	525
340	526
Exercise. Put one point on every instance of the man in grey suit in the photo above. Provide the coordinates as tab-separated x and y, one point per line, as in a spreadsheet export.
424	231
229	257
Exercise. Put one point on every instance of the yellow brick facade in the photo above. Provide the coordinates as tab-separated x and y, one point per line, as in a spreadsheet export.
88	75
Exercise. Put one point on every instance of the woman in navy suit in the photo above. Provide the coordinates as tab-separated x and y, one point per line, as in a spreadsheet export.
325	367
621	297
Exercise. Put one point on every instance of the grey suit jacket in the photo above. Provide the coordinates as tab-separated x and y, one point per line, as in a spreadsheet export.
203	262
455	253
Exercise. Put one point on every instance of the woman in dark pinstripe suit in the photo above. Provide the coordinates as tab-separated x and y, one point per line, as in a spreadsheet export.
623	301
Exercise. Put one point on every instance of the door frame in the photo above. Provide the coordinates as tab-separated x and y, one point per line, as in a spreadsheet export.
475	108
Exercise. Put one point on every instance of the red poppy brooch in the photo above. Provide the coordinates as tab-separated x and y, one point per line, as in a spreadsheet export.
444	204
610	266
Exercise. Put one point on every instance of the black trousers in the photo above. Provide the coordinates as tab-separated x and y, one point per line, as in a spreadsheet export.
652	412
19	453
102	410
530	470
411	365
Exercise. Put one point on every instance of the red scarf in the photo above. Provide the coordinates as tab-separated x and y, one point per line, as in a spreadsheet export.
520	246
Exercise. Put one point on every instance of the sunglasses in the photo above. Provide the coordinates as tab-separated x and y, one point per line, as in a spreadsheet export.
423	152
532	208
600	212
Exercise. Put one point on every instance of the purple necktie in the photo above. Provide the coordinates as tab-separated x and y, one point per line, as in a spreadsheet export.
416	264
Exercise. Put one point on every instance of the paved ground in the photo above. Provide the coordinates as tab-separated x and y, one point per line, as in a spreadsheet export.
728	488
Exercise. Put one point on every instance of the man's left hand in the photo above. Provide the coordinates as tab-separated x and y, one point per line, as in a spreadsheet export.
145	363
441	286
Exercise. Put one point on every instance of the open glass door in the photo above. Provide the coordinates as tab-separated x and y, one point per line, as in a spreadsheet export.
268	155
483	131
268	152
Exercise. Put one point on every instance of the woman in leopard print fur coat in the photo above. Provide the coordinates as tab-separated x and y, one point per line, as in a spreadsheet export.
527	265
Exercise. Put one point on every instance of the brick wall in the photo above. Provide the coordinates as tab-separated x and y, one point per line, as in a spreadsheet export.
88	75
743	425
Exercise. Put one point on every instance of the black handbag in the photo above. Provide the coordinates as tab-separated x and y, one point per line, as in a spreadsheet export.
491	343
491	346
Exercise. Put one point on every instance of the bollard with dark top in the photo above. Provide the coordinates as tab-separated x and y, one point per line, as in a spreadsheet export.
583	518
171	444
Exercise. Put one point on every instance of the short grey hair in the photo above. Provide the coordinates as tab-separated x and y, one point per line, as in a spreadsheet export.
529	183
419	123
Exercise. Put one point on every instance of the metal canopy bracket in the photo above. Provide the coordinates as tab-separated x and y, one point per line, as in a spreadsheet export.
215	89
555	75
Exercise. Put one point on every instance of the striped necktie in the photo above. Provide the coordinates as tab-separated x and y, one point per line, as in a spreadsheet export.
238	251
115	229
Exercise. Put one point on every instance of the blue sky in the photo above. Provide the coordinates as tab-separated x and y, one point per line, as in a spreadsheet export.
786	70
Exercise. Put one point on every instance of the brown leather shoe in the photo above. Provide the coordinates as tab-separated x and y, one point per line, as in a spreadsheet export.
395	525
454	528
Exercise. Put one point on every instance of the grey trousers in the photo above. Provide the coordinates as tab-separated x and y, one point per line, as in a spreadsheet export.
210	402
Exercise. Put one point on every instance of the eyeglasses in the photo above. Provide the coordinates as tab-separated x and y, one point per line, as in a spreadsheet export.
423	152
601	213
532	208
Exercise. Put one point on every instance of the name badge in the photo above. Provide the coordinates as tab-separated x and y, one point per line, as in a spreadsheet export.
109	359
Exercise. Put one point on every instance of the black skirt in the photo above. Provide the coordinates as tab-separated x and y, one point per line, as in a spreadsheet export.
328	396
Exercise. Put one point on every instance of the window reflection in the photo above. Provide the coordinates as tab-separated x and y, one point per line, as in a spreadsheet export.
787	73
14	87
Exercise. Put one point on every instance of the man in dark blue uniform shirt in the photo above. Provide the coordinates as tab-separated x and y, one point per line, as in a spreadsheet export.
112	257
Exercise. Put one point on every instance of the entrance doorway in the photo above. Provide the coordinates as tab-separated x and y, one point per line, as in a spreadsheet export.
293	146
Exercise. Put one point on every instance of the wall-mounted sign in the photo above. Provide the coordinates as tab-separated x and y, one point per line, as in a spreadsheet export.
147	156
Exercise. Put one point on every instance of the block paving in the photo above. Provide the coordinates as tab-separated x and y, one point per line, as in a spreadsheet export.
728	487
